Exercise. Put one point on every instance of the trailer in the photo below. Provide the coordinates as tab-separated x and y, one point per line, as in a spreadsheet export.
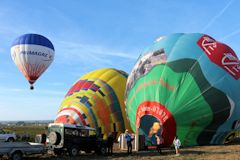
16	150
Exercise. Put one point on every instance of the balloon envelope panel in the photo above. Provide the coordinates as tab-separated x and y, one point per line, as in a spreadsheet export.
97	100
185	85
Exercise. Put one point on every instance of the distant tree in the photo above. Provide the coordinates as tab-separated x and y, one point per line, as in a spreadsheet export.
20	123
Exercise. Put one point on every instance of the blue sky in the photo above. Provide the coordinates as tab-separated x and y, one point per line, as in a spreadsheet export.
92	34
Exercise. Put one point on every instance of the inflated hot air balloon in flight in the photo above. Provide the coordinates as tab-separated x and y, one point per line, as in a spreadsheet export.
185	85
32	53
97	100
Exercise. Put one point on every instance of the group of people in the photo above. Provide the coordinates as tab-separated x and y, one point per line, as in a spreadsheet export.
110	140
129	138
159	140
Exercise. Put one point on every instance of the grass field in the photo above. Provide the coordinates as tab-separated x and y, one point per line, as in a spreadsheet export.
218	152
27	132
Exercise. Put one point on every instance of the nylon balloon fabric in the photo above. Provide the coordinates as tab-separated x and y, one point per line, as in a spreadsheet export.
185	85
97	100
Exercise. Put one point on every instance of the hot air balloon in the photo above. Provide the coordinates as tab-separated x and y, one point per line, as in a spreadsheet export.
97	100
185	85
32	53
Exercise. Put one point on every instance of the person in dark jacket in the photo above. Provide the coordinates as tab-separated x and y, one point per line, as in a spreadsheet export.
110	141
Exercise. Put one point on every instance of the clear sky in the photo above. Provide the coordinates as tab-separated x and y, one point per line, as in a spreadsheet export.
94	34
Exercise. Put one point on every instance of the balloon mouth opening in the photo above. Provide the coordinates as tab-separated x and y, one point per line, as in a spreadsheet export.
153	118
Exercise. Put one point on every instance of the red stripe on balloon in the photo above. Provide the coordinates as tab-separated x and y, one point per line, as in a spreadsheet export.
78	113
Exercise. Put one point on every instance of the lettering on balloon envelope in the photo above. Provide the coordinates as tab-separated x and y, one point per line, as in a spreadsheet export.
220	54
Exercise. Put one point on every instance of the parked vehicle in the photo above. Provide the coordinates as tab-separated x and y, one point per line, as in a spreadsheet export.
61	138
72	138
16	150
7	137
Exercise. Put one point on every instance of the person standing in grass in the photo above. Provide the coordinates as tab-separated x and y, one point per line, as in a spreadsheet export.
177	145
